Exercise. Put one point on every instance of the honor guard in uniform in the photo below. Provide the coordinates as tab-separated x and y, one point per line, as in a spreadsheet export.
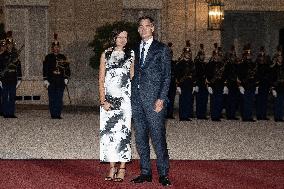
201	93
215	45
3	60
187	46
215	84
247	84
263	84
186	81
56	74
11	76
278	85
231	78
172	89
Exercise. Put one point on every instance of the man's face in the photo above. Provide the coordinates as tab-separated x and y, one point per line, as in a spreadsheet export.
56	49
10	46
2	48
145	29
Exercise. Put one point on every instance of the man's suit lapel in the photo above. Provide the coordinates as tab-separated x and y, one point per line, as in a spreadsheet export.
150	53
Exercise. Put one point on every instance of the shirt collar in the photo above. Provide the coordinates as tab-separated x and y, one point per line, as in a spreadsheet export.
148	42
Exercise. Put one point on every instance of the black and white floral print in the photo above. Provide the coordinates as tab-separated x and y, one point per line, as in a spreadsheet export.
115	125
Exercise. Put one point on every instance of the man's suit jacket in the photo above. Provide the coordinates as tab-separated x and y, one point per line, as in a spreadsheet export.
154	77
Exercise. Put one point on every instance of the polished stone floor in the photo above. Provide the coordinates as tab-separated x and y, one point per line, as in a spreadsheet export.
33	135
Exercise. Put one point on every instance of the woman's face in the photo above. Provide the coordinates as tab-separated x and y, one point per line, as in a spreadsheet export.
121	39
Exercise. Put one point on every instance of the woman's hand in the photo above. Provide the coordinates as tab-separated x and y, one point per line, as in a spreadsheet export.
106	106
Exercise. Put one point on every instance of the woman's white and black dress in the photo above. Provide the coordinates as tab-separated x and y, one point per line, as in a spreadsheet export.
115	124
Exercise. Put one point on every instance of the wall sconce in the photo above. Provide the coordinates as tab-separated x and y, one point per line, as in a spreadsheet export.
215	14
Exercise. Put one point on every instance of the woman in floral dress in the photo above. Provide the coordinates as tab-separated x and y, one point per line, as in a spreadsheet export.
116	71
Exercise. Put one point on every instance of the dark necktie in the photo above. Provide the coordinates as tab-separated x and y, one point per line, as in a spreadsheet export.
142	55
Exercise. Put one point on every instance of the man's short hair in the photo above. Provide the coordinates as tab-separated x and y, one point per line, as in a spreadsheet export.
146	18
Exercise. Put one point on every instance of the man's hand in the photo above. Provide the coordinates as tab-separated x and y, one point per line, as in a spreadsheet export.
256	90
178	90
106	106
242	90
66	81
46	83
196	89
225	90
18	83
1	84
159	105
274	93
210	90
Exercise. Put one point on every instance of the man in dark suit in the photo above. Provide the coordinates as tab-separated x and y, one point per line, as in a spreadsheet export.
150	86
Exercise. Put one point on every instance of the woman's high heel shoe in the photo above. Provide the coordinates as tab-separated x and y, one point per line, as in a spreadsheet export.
120	175
111	175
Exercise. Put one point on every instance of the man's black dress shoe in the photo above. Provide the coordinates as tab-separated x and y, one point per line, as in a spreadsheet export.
232	118
164	181
203	118
248	120
56	117
170	117
10	116
215	119
142	178
186	119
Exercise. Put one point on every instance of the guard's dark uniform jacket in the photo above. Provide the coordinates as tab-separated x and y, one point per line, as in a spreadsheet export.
215	74
278	77
11	70
263	71
56	71
247	74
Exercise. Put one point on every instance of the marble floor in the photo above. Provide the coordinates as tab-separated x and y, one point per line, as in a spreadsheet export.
33	135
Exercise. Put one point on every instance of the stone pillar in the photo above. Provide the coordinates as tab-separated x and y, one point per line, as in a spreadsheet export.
28	19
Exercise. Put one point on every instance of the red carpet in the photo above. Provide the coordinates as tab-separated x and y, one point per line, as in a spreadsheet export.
89	174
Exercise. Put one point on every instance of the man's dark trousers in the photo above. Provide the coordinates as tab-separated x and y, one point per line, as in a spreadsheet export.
147	121
279	106
9	98
55	97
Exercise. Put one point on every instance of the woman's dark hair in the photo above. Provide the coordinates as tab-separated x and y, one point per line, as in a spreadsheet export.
112	41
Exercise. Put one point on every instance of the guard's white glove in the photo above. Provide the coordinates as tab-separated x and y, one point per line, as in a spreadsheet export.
225	90
242	90
178	90
66	81
46	83
1	84
193	90
196	89
210	90
274	93
18	83
256	90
